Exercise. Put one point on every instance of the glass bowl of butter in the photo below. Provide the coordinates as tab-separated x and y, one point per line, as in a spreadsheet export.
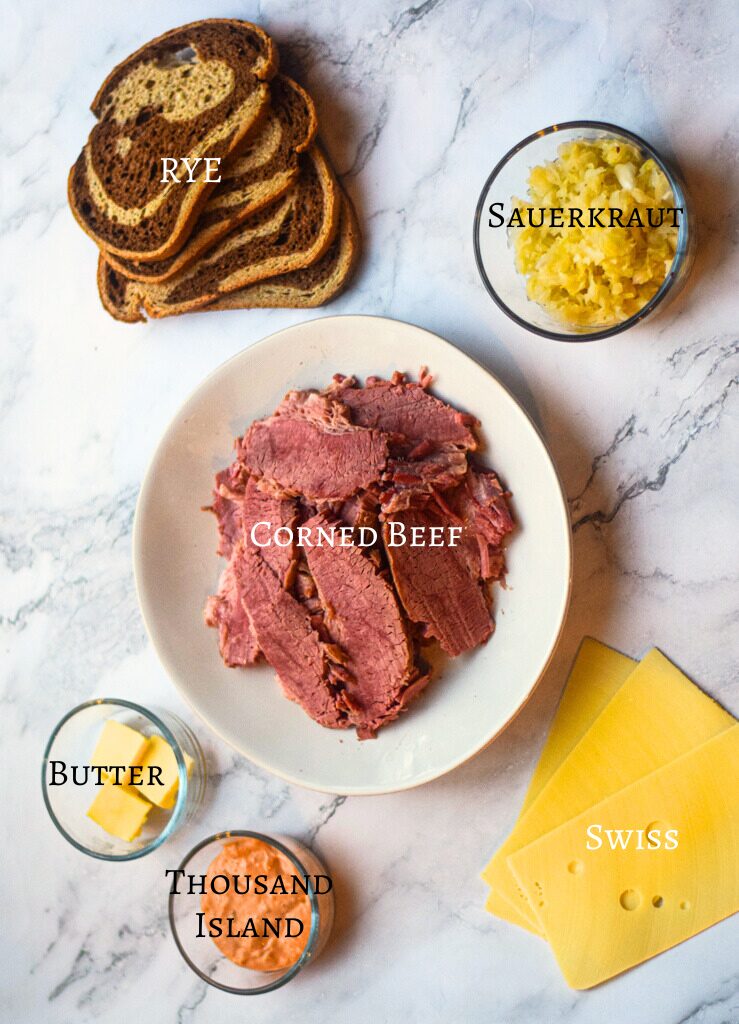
582	231
119	779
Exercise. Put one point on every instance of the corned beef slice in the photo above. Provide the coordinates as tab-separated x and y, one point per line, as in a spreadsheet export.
290	644
420	468
482	508
321	409
362	617
227	500
225	612
429	439
296	453
360	510
404	407
437	585
262	507
483	502
239	505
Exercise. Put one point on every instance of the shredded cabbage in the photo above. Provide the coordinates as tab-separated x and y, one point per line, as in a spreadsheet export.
595	276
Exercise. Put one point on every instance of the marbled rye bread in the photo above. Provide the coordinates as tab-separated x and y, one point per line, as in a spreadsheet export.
300	289
196	91
262	171
311	286
291	233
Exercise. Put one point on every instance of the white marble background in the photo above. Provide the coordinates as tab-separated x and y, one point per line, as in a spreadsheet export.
417	104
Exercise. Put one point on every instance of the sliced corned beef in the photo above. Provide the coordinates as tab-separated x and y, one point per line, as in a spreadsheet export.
437	585
295	455
399	406
228	495
442	587
362	617
360	510
484	502
259	508
333	620
424	467
481	506
286	636
239	505
318	408
225	612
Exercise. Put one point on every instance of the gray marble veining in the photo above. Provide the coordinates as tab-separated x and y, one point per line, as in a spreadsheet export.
417	102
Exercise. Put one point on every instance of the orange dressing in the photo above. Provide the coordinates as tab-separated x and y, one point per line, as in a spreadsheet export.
262	952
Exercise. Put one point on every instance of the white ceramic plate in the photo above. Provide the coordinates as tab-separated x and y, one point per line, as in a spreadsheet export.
176	567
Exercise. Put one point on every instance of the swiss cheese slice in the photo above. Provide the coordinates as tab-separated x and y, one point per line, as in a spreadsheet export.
597	673
656	716
498	907
605	910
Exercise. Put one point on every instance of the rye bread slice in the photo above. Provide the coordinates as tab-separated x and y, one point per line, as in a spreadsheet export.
196	91
261	172
289	234
312	286
300	289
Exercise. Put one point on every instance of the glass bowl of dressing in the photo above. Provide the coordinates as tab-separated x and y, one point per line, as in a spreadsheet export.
497	232
248	911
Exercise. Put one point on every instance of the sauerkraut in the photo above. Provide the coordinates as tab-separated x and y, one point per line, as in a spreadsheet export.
585	274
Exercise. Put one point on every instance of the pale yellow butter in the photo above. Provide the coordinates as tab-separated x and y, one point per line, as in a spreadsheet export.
118	744
119	810
159	754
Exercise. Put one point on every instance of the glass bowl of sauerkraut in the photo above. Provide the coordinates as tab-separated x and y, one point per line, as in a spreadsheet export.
583	230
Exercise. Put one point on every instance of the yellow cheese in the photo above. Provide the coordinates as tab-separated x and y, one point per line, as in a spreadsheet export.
655	717
605	910
118	744
598	672
159	754
498	907
119	810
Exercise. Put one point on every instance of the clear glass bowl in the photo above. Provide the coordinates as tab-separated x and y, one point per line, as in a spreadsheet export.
494	251
201	953
73	741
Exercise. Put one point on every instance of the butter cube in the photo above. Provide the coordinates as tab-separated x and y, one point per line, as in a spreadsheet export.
118	744
119	810
159	754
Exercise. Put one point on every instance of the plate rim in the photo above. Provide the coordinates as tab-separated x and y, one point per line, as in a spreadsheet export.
147	482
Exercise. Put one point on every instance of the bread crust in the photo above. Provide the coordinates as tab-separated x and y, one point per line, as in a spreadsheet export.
122	311
197	193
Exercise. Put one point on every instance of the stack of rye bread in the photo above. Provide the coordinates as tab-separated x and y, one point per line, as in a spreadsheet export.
277	230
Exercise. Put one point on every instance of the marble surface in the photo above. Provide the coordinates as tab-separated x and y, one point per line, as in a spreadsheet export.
417	103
